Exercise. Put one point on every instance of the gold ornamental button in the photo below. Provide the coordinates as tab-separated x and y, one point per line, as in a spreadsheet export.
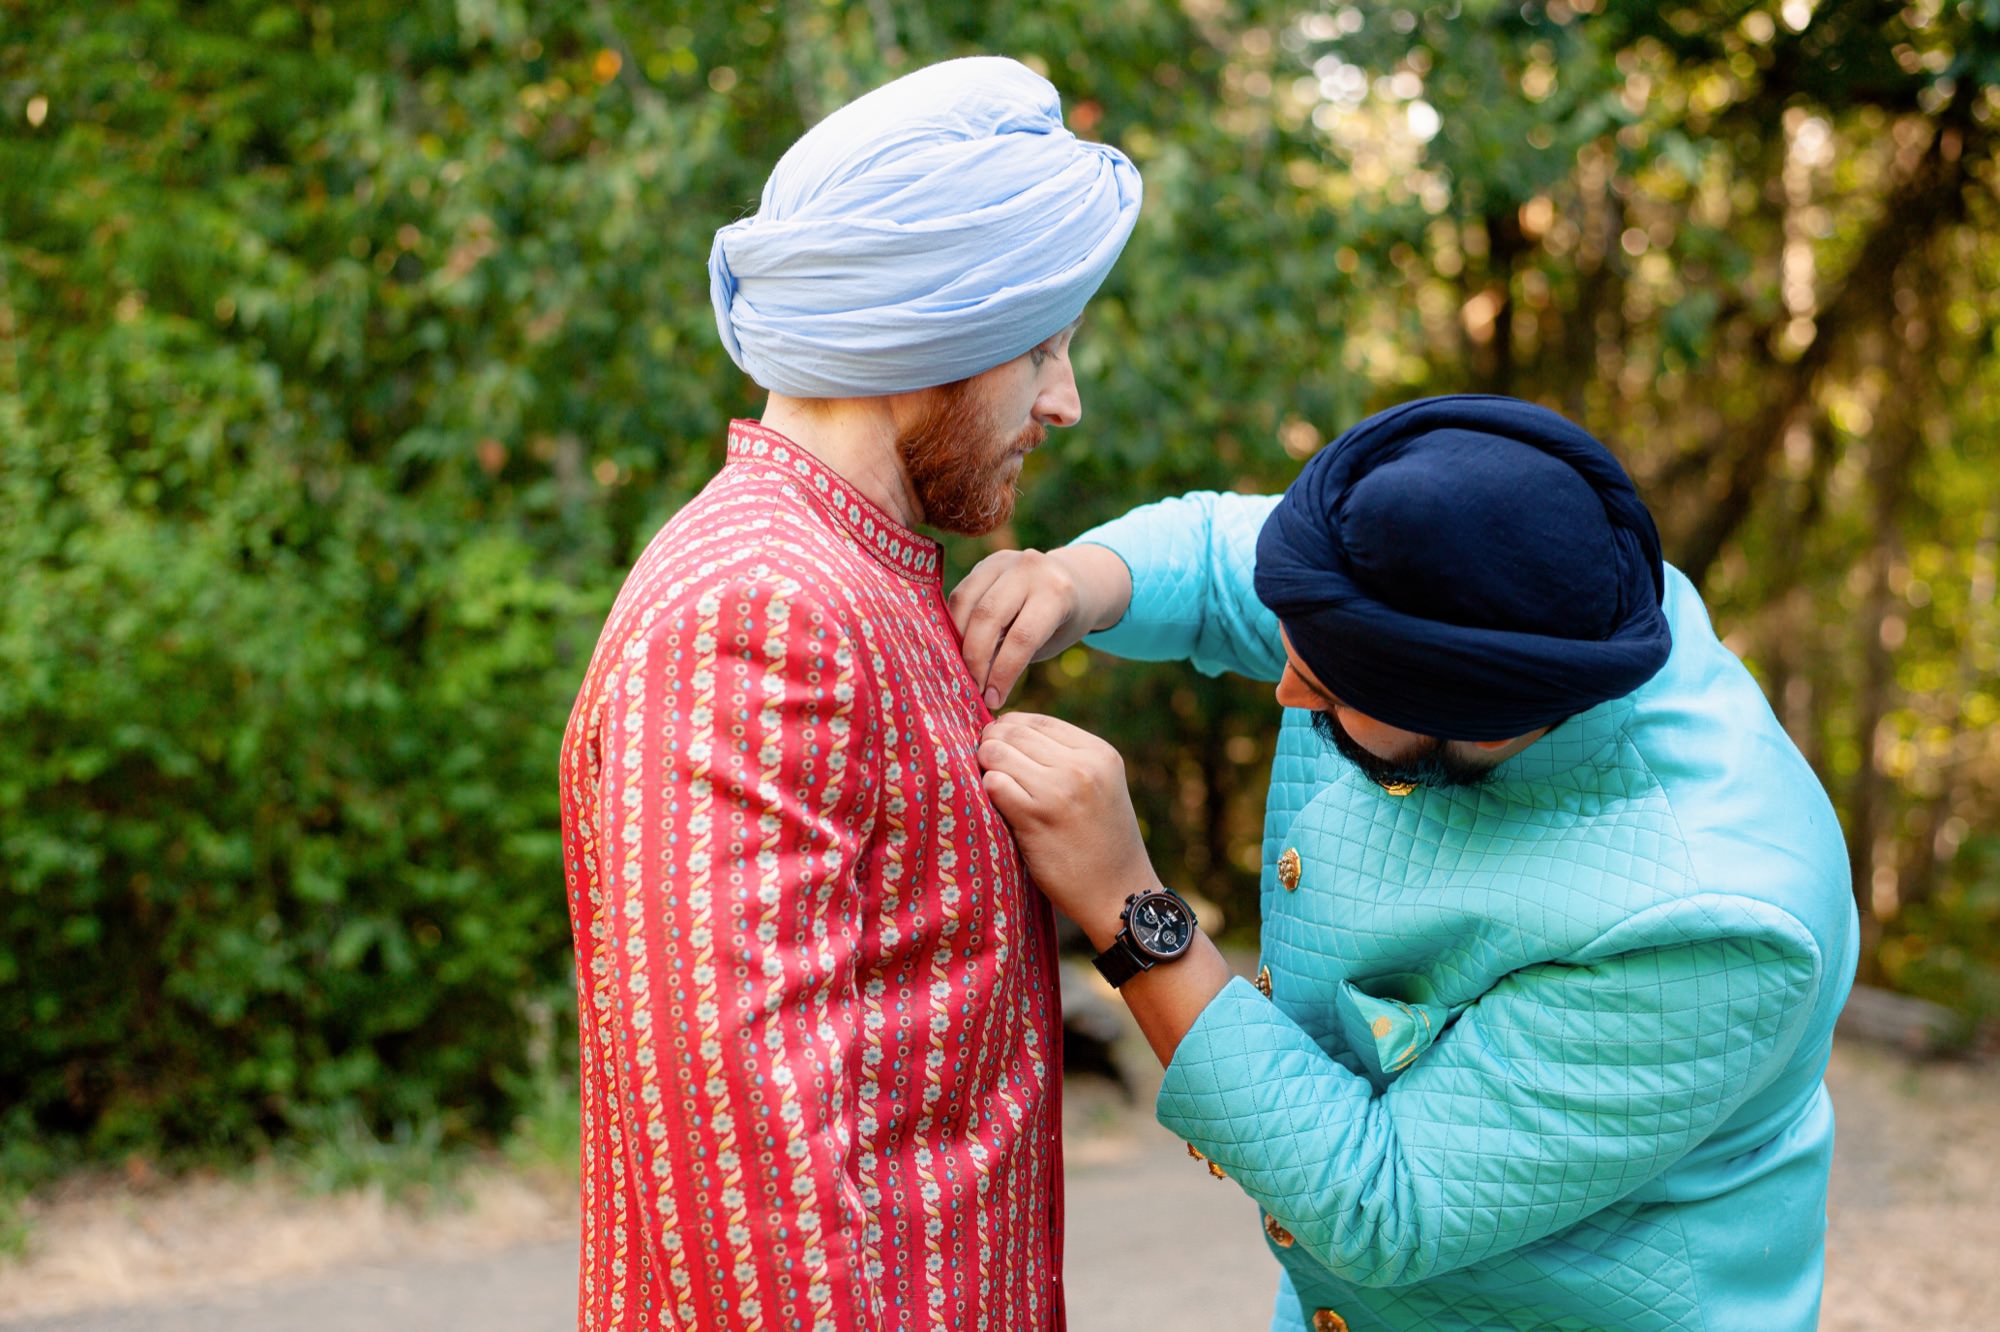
1288	869
1395	789
1279	1235
1326	1320
1195	1152
1216	1170
1264	981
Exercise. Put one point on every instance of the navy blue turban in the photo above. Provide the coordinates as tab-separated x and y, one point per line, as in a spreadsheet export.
1469	567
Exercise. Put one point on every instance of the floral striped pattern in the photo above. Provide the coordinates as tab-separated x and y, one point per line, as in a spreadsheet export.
817	996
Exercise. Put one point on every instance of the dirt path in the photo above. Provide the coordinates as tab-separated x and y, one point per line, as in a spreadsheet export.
1915	1205
1915	1221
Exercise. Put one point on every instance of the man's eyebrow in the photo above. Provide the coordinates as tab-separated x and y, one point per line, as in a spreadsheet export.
1066	332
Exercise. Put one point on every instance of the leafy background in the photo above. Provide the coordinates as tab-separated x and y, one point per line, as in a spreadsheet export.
349	354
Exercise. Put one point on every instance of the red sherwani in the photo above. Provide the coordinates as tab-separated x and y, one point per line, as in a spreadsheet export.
820	1027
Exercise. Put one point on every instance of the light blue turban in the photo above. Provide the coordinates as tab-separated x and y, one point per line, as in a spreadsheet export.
941	225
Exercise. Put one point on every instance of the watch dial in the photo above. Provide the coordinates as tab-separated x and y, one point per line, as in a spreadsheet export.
1161	926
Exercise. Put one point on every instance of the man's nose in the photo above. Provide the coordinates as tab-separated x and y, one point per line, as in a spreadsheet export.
1059	404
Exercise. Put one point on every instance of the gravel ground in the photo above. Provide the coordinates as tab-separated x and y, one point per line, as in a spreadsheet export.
1915	1220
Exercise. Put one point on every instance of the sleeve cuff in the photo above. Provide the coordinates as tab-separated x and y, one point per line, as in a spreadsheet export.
1233	1045
1161	616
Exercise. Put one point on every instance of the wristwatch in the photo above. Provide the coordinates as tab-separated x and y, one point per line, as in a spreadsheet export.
1155	927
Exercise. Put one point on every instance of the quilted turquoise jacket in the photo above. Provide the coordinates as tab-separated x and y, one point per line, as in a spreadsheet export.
1544	1053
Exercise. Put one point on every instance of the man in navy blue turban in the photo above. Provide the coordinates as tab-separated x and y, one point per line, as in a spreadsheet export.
1555	924
821	1029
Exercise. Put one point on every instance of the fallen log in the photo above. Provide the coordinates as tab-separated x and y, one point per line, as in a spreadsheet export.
1914	1026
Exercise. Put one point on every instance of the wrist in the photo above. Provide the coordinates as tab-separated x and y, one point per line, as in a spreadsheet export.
1107	915
1102	928
1157	929
1103	583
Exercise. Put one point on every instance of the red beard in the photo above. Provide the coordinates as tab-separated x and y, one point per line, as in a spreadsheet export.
960	464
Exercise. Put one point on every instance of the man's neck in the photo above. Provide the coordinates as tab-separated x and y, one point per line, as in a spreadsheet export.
856	437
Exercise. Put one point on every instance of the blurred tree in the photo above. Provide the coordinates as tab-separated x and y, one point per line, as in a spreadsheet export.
349	353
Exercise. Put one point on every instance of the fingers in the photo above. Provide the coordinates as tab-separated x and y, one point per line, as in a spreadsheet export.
1022	608
1022	643
1037	748
1025	753
1007	794
1068	771
1012	780
984	619
973	586
1053	729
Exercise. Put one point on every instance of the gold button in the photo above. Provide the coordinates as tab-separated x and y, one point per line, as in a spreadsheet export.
1216	1170
1288	870
1264	981
1279	1235
1326	1320
1195	1152
1395	789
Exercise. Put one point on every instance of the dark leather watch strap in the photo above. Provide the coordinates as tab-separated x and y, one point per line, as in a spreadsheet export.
1120	962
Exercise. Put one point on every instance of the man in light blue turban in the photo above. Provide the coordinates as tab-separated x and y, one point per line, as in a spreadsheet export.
821	1031
928	231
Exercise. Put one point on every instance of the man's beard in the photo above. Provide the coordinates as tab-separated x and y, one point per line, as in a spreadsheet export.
1432	763
957	463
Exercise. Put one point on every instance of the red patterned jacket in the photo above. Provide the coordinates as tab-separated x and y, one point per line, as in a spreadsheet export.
819	1018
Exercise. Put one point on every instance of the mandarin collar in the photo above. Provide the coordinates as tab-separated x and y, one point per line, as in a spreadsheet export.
755	445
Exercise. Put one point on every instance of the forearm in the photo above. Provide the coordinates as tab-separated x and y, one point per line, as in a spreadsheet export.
1635	1058
1167	1000
739	1011
1191	563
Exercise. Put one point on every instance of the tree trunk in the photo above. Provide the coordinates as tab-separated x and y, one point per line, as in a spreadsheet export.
1931	199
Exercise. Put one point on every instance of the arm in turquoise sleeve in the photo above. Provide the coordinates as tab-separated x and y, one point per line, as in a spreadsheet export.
1194	596
1563	1089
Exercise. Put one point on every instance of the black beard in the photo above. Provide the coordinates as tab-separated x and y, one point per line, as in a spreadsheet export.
1433	765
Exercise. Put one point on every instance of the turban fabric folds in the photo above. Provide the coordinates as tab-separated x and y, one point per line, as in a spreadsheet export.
932	229
1470	567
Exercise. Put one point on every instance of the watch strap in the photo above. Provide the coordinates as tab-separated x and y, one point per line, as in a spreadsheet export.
1121	962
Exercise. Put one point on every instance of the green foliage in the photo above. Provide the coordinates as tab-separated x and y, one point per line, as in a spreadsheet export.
1948	950
15	1229
341	1153
286	645
349	354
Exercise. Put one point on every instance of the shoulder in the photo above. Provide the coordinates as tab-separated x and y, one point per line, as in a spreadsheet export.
755	609
704	602
1753	817
748	543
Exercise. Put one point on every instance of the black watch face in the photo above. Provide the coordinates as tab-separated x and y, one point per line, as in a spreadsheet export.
1161	925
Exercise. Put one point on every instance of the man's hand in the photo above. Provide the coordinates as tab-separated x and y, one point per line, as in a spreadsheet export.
1020	606
1062	790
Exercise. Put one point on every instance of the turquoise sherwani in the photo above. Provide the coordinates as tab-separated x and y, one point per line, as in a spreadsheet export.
1544	1053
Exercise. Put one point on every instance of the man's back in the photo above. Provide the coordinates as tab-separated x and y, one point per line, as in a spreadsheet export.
818	1007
